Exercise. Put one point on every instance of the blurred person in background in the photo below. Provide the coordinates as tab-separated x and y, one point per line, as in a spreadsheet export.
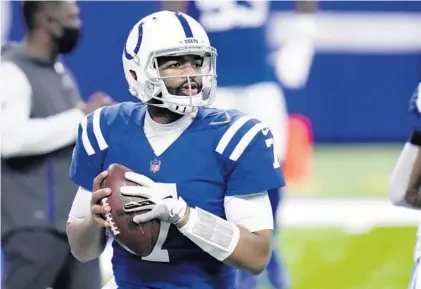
4	22
405	180
41	109
248	82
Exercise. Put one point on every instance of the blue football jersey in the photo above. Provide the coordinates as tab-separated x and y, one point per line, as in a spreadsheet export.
237	29
222	153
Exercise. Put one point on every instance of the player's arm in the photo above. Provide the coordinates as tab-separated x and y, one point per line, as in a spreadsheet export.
405	181
252	214
85	227
85	230
23	135
249	229
244	239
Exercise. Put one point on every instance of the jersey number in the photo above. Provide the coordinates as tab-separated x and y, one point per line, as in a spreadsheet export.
271	144
224	15
158	254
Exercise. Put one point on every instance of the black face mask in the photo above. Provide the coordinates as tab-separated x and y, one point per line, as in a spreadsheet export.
68	40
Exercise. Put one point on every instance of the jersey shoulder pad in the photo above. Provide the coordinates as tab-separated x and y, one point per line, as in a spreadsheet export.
236	135
93	133
218	117
120	112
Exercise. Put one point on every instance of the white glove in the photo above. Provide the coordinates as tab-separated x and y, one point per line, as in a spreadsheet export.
161	200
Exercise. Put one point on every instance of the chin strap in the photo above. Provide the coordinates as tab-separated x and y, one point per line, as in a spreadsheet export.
181	109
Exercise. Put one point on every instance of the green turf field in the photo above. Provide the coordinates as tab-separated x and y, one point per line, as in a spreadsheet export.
329	258
349	170
325	258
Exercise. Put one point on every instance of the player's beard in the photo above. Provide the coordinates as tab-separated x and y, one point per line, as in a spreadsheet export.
179	90
161	112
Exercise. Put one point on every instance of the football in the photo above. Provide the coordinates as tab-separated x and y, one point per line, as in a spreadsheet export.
139	239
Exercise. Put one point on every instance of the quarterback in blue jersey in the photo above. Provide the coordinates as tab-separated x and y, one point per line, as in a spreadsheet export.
247	80
206	171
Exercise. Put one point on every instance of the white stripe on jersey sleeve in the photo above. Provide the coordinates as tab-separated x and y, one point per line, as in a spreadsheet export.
245	141
97	130
229	134
85	139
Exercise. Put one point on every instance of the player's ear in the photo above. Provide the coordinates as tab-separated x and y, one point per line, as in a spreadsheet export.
51	25
47	20
43	20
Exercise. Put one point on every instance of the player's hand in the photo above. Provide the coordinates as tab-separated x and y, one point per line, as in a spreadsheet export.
160	198
95	101
98	209
415	101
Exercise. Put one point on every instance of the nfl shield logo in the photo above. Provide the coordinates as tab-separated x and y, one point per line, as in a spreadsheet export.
155	165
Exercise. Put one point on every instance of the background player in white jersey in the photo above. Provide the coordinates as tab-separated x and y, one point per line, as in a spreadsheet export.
247	79
405	181
212	168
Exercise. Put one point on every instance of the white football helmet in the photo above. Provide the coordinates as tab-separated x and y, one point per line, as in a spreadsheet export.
168	33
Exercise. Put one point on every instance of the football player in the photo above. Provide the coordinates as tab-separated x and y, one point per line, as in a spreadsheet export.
206	171
405	181
249	82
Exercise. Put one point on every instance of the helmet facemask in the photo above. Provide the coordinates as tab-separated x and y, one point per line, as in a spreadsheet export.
187	91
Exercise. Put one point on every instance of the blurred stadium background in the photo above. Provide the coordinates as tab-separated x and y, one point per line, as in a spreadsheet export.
339	231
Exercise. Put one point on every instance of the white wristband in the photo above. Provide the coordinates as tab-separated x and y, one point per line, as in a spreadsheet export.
211	233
